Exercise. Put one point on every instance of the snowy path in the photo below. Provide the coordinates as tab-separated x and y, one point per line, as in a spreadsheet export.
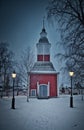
49	114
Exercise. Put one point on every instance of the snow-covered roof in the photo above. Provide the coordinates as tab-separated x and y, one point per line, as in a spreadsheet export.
43	67
43	40
43	36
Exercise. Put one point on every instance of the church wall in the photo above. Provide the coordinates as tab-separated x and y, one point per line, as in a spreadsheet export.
44	79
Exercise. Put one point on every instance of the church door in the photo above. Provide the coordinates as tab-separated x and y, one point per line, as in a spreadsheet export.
43	91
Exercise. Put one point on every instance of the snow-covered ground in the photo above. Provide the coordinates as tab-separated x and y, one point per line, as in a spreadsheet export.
43	114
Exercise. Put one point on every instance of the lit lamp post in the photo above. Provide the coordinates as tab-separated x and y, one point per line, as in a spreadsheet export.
13	98
71	73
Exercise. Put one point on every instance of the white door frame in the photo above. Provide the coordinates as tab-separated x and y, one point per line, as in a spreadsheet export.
48	88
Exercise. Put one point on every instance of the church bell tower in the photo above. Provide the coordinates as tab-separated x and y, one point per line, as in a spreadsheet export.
43	47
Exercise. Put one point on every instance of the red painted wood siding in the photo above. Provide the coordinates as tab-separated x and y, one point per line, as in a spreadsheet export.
44	79
43	57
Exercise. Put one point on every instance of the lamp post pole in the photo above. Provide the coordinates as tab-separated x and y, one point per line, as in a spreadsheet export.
71	97
13	98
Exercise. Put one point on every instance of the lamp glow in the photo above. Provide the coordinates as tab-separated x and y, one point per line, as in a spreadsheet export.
13	75
71	73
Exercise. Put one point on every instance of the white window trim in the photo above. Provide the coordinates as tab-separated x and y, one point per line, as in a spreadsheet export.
31	92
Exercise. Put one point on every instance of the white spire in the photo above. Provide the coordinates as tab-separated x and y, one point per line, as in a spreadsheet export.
44	22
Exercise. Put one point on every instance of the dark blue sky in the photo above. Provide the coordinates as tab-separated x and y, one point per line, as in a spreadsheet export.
21	24
21	20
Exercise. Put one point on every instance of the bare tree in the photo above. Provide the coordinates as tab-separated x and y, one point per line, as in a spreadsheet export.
18	82
25	66
70	17
6	64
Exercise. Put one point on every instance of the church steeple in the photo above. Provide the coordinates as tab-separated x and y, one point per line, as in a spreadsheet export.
43	46
43	32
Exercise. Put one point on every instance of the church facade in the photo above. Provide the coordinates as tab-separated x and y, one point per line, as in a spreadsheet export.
43	76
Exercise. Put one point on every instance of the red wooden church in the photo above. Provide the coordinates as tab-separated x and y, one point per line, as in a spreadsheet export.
43	77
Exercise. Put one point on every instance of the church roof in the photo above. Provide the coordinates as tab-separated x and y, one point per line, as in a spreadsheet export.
43	40
44	30
41	66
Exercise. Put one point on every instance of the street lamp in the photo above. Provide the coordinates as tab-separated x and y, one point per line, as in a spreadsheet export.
13	98
71	73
